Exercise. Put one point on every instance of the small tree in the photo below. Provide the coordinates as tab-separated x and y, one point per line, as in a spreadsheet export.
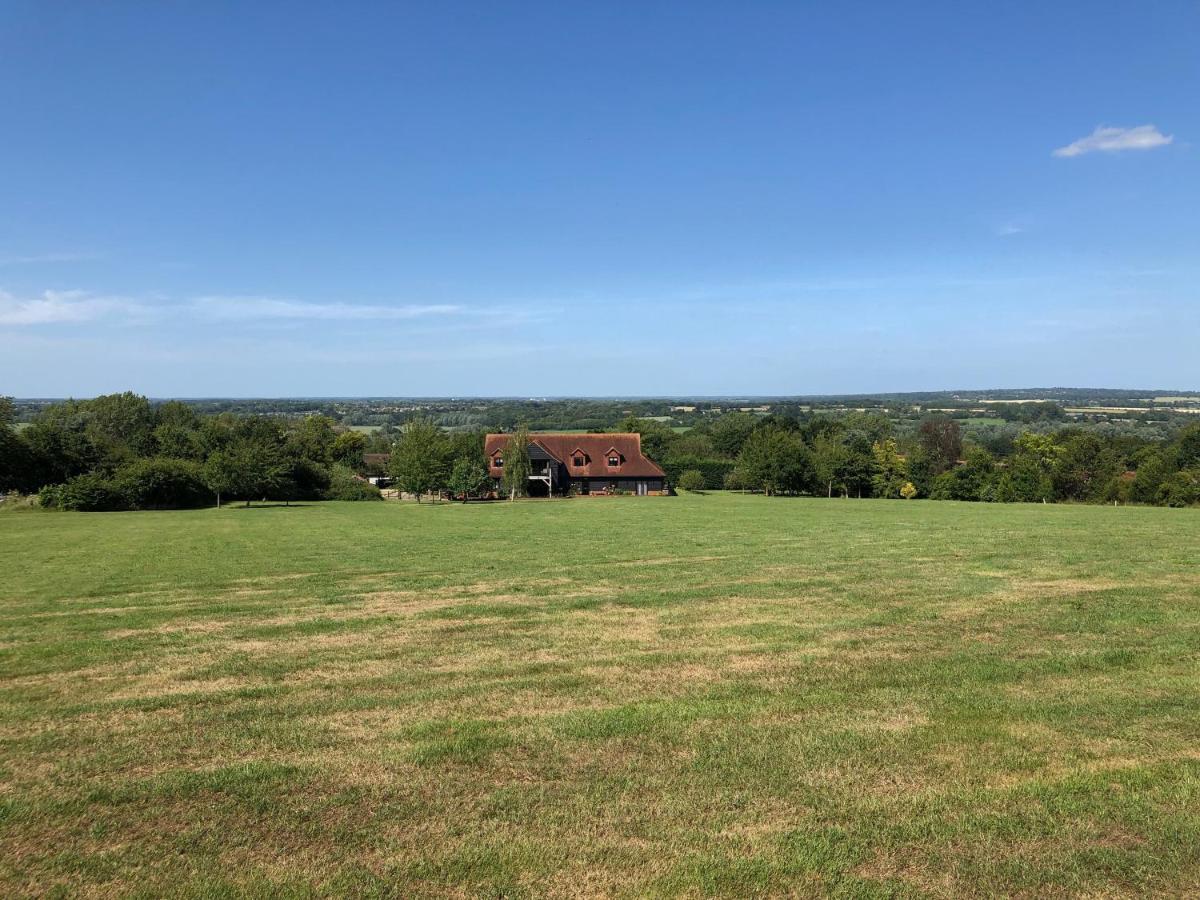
908	491
418	461
890	472
467	477
691	481
220	474
516	463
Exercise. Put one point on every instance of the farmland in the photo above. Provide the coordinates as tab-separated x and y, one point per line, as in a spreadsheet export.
720	695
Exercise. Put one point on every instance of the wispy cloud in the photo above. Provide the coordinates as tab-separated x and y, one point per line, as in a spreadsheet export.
245	309
37	258
1115	140
75	306
62	307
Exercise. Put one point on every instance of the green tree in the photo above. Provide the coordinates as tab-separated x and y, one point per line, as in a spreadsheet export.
940	438
1086	468
830	455
775	460
419	458
313	438
348	448
890	472
468	477
691	481
731	431
657	438
517	466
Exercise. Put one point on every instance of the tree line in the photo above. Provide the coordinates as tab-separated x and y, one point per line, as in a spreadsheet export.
863	455
118	452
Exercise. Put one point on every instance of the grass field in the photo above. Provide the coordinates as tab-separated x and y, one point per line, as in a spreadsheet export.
705	695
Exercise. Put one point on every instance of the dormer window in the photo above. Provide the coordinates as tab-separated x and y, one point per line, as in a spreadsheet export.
614	460
498	462
577	461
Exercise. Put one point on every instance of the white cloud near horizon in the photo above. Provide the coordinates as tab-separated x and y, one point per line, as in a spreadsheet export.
47	258
62	307
73	307
253	308
1115	140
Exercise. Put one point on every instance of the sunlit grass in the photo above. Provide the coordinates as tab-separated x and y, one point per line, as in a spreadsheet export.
714	694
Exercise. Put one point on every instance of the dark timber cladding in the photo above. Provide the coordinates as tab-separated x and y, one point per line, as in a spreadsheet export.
583	463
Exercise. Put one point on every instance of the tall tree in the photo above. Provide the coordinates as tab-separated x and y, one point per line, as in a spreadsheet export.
890	471
775	460
830	456
517	466
941	438
419	459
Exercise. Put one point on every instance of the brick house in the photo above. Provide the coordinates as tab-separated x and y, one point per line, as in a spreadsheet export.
587	463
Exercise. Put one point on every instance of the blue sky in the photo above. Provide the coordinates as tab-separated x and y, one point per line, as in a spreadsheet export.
274	199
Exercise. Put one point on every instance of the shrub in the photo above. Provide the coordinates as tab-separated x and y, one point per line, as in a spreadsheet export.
692	480
163	483
1181	489
343	485
91	492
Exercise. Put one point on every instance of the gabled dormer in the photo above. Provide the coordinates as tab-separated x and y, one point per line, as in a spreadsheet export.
578	459
613	458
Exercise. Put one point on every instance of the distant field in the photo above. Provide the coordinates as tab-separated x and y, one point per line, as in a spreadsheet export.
705	695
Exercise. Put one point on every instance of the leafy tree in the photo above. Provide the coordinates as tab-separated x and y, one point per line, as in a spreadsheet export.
971	481
122	424
941	438
348	448
221	474
344	484
731	431
163	483
468	477
517	466
1152	470
775	460
691	481
1024	480
1085	469
1181	489
17	469
90	492
657	438
890	472
830	456
908	491
419	459
1187	447
923	469
313	438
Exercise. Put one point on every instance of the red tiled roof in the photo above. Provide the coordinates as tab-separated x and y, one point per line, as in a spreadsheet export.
595	449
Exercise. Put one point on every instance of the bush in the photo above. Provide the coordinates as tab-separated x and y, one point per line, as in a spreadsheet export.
713	470
1181	489
343	485
692	481
162	483
91	492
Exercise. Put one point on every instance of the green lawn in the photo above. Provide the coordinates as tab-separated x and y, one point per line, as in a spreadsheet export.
701	695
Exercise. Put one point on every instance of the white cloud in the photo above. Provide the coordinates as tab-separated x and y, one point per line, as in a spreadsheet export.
59	307
47	258
1113	140
248	308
